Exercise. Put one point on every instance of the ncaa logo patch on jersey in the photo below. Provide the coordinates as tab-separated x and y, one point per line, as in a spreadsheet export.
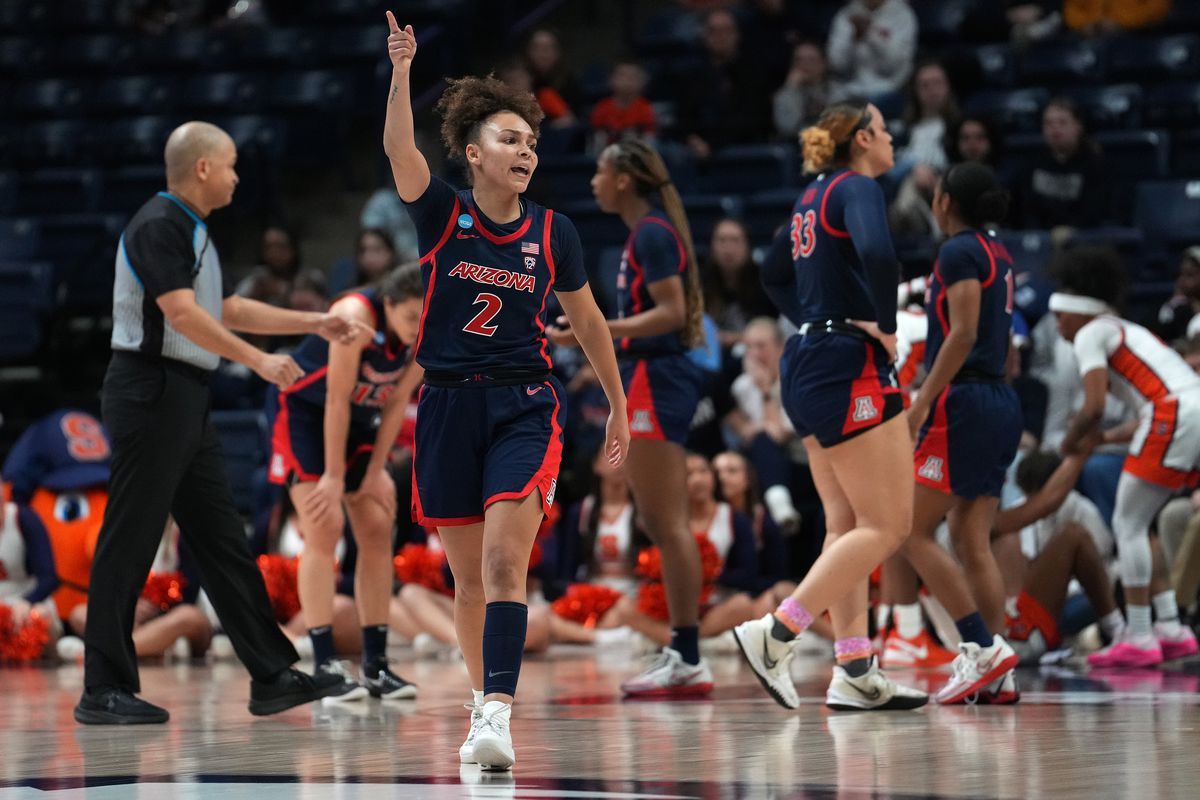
864	409
932	469
641	422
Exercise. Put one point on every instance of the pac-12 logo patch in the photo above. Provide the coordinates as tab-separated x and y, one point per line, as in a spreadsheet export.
932	469
864	409
641	422
530	262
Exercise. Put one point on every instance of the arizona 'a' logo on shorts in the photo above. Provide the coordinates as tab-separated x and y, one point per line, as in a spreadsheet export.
931	469
278	468
641	422
864	409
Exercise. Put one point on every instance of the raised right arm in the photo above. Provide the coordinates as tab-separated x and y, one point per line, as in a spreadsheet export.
409	168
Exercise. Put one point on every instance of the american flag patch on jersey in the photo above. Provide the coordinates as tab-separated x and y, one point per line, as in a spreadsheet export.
532	248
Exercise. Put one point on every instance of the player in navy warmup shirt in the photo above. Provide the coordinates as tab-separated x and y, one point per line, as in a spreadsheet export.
489	419
839	389
332	431
967	423
659	315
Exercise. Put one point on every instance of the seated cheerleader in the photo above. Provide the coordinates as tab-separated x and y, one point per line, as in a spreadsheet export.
731	535
27	581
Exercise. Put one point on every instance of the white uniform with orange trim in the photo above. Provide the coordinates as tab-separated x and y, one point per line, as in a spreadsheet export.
1149	376
912	328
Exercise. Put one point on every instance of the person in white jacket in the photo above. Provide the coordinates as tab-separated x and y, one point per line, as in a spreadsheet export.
871	47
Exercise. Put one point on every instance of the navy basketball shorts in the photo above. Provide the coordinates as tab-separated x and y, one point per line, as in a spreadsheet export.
661	393
836	387
969	440
298	443
479	444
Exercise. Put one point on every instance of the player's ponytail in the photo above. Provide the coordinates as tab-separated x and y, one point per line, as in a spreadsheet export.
642	162
828	143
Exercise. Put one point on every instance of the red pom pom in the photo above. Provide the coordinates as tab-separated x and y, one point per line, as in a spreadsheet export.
649	563
25	642
710	560
652	601
417	564
164	589
280	576
585	603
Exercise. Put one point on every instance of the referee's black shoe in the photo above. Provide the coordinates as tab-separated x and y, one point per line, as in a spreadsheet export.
288	689
109	705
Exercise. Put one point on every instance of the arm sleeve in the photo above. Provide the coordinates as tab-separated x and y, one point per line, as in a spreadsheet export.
1094	343
741	563
658	252
957	263
569	274
39	557
430	212
160	252
865	215
779	278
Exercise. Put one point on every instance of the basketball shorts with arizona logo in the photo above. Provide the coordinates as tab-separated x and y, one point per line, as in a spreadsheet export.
481	443
661	393
970	439
836	387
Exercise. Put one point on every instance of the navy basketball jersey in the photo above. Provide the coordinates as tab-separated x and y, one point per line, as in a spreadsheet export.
653	252
831	279
973	255
379	368
486	284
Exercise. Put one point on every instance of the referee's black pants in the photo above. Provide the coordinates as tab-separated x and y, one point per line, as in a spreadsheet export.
167	459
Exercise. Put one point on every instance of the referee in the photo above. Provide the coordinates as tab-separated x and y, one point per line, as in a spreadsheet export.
171	311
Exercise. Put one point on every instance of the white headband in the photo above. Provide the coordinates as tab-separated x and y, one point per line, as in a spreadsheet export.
1077	304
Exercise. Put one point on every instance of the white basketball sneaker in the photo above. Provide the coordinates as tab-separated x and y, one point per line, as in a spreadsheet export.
769	658
670	676
493	741
975	668
466	753
871	691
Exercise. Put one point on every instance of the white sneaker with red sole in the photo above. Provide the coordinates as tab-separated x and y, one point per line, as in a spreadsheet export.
975	668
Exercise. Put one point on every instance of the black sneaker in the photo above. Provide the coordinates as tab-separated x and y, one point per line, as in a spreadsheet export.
111	706
383	683
289	689
350	690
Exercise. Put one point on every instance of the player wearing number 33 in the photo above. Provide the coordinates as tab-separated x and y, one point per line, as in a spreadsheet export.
331	433
489	418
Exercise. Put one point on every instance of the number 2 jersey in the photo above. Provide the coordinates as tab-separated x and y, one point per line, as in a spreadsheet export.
382	362
486	284
973	255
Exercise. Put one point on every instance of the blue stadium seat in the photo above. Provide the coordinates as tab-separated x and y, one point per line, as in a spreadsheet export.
58	142
57	191
25	299
596	228
19	237
704	211
1136	155
593	82
83	248
1168	212
67	237
8	193
241	434
311	90
52	97
356	44
748	168
1013	110
284	47
1032	253
565	177
1118	106
1173	105
101	54
227	92
23	55
1186	160
1064	63
141	94
670	32
1147	60
190	49
1020	149
996	63
258	136
139	140
126	188
940	21
765	211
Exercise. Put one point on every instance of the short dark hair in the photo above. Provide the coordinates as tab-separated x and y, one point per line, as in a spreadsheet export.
1092	271
402	283
1035	470
976	193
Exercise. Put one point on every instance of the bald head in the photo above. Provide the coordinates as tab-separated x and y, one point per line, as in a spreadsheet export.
189	143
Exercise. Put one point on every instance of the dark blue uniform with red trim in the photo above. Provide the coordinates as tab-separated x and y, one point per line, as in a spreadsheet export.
837	381
970	438
297	414
489	419
662	385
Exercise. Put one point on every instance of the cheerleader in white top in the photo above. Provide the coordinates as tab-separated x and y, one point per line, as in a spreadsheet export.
1119	356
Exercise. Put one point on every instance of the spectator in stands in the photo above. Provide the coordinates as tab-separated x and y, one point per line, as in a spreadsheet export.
804	93
733	293
516	74
548	71
384	211
278	265
1176	314
727	100
932	111
626	112
374	257
771	30
973	138
1033	20
310	292
1066	185
1111	17
871	48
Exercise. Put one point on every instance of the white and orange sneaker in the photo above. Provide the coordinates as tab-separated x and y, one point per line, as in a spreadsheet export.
670	676
1129	651
975	668
919	651
1177	641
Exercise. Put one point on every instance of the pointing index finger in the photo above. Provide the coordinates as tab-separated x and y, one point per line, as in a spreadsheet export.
392	24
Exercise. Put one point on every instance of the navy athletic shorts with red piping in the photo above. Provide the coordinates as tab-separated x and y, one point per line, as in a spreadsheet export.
661	393
969	440
298	443
837	386
480	443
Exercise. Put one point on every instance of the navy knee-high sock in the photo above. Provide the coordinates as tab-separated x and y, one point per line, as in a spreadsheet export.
504	625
